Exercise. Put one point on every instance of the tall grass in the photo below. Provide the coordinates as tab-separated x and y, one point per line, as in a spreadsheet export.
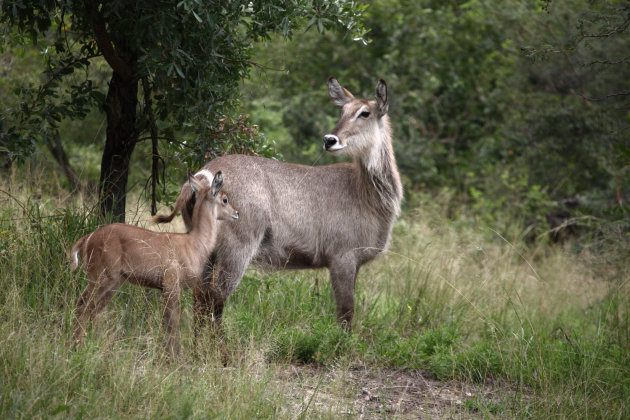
456	300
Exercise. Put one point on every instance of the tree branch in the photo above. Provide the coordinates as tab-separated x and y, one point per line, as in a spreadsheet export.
58	152
168	139
619	29
105	45
622	61
610	95
251	63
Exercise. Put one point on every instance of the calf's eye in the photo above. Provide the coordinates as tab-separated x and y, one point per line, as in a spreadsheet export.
365	114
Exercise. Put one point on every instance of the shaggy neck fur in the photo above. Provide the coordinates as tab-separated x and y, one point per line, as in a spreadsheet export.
378	177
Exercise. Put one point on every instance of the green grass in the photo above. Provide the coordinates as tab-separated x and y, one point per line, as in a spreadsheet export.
548	327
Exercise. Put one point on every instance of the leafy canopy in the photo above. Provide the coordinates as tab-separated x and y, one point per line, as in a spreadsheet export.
193	53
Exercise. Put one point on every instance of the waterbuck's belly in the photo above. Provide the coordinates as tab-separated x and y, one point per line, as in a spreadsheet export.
278	254
289	258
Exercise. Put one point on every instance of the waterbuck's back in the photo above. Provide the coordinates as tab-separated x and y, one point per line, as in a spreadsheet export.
297	216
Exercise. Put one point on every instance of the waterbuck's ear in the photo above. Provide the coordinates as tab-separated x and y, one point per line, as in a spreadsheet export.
339	95
381	97
192	181
217	183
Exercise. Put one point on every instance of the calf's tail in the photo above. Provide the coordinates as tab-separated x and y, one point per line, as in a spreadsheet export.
74	254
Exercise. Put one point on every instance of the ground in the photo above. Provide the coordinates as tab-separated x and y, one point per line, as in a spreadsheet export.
371	394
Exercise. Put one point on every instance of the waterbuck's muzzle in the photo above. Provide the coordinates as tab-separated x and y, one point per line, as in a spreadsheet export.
331	143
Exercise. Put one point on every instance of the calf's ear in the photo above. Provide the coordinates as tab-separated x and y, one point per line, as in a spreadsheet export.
193	182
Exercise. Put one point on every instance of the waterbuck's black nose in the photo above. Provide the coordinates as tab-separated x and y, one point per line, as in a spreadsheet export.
330	140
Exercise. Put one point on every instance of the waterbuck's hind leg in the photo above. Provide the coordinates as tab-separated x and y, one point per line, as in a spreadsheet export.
343	275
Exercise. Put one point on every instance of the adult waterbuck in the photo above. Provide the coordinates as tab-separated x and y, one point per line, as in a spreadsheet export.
170	262
337	216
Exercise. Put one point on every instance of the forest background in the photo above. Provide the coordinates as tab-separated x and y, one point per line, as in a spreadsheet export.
510	125
511	112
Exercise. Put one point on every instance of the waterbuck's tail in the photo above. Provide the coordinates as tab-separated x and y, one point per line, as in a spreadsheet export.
165	218
185	203
74	254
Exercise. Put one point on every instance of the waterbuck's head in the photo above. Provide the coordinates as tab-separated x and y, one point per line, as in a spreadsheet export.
213	196
363	123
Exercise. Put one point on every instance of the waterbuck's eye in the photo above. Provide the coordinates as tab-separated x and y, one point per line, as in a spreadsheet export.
365	114
225	200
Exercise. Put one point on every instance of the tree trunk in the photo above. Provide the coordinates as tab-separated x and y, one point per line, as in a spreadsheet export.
155	161
120	107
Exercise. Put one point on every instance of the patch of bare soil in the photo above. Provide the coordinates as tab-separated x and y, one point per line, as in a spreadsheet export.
389	393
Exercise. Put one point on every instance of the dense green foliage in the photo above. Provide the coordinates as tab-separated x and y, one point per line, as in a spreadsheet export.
509	107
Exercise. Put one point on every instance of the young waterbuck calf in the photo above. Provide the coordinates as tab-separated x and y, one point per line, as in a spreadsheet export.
170	262
336	216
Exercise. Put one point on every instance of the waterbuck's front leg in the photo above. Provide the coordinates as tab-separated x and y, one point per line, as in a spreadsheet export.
208	303
343	274
221	277
171	291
